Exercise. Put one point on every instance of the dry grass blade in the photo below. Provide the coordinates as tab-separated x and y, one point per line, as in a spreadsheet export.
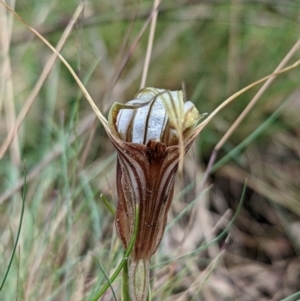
6	86
150	43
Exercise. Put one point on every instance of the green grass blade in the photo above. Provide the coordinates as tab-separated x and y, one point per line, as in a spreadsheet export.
19	229
107	278
107	205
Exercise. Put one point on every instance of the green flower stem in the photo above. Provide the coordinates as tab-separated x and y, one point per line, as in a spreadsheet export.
125	283
124	260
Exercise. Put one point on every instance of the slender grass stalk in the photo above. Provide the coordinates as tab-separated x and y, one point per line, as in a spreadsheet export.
107	278
19	229
68	200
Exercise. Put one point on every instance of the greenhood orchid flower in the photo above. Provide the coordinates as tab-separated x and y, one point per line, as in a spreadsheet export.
151	134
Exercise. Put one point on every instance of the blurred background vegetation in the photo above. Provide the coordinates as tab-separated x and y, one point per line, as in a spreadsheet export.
214	48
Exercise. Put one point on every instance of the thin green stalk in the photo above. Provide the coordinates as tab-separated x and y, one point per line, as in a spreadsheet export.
107	278
149	298
125	283
124	260
67	192
19	229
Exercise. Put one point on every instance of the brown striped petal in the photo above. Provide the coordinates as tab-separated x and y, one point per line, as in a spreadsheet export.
145	177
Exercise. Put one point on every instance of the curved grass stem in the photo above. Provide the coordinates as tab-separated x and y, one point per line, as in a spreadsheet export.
19	230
